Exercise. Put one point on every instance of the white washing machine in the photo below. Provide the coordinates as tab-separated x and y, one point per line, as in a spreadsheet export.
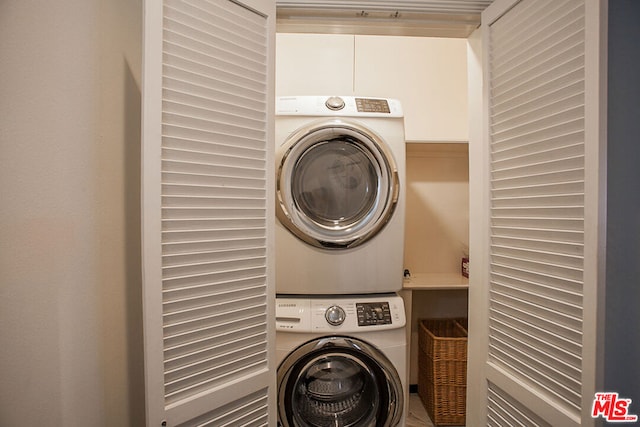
340	195
342	361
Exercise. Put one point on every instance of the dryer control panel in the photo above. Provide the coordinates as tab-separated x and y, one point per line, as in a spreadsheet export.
342	314
338	106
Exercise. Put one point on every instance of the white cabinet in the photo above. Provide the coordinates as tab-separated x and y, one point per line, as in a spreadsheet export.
428	75
314	64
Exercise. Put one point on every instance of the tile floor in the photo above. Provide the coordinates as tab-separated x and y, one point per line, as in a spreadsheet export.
418	416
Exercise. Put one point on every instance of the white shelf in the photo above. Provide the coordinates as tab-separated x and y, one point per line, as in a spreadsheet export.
435	281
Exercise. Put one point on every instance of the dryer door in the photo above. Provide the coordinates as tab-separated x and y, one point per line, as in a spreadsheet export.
337	184
338	381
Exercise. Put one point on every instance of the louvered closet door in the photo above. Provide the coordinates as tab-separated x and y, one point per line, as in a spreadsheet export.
208	212
535	345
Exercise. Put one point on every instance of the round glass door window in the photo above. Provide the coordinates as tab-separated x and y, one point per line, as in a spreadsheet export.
339	382
337	184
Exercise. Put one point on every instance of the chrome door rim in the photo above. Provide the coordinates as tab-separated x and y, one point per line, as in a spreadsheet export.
340	346
336	236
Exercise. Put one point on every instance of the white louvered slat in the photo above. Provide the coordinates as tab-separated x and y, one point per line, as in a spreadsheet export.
206	328
232	332
537	204
504	411
249	411
540	29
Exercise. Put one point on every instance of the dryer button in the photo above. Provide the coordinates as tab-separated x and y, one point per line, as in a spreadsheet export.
335	315
335	103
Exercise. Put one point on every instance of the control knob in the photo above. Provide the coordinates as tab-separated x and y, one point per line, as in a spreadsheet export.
335	103
335	315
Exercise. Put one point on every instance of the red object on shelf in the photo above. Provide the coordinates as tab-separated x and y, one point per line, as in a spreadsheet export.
464	265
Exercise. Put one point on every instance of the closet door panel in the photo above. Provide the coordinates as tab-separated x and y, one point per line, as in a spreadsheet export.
537	278
207	210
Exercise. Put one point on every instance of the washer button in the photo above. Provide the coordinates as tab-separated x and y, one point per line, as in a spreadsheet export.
335	315
335	103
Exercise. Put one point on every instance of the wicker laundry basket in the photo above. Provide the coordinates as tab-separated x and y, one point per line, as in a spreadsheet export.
442	374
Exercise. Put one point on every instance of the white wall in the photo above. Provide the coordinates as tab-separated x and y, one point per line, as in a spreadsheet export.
69	218
437	213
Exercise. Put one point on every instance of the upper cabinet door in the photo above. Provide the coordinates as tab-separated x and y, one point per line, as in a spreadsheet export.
208	211
314	64
537	259
429	77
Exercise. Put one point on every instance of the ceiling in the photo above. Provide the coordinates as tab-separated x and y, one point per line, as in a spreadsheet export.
431	18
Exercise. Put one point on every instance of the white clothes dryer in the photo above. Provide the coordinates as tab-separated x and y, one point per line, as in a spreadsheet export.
340	164
342	361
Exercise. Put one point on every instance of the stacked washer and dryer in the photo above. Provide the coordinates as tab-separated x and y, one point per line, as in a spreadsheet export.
340	325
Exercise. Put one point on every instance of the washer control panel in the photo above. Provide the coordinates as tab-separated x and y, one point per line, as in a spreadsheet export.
341	314
374	313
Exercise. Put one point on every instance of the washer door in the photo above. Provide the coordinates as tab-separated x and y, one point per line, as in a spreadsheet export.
338	381
337	184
